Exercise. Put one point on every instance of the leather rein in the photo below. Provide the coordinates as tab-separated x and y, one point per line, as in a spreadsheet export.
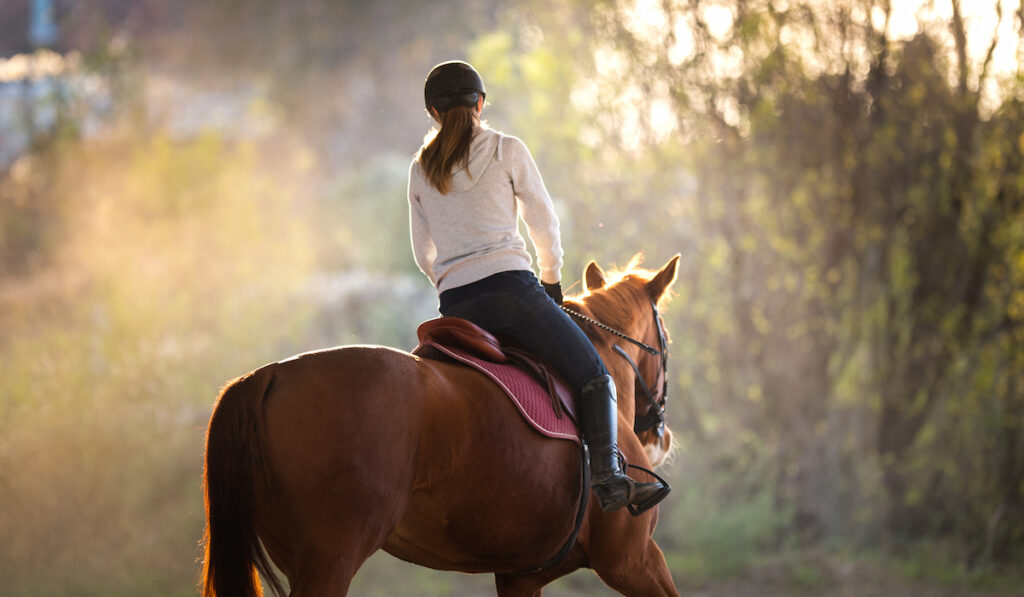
656	397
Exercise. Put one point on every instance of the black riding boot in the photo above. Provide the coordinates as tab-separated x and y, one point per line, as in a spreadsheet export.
612	487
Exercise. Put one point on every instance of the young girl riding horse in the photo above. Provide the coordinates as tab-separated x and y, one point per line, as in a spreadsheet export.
467	185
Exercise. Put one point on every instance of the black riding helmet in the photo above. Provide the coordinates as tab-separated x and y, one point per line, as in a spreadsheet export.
452	83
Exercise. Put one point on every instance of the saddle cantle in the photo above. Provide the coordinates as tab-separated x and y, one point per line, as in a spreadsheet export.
461	333
539	394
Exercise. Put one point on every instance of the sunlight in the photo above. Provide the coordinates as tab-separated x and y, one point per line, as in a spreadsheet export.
981	20
646	19
650	20
683	47
662	118
719	20
36	66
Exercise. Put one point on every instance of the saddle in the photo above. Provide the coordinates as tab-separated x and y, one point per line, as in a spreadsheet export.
540	394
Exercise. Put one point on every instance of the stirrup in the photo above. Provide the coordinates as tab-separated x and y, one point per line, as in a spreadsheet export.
636	509
654	500
639	508
631	486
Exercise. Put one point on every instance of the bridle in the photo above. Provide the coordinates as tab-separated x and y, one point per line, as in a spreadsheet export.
654	416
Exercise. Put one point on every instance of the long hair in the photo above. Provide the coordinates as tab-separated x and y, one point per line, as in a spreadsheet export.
449	147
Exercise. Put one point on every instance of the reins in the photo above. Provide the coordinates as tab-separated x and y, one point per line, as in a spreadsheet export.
650	349
654	418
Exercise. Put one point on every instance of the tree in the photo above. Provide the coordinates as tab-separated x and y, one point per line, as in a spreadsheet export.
855	235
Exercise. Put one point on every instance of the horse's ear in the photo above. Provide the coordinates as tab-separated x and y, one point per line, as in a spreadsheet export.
664	278
594	276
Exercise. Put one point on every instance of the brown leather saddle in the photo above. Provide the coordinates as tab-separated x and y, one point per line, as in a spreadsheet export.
465	335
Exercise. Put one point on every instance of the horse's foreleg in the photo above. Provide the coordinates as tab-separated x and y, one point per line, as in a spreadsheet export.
532	585
519	586
643	574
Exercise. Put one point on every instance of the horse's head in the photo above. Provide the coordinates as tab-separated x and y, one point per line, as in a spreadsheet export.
628	301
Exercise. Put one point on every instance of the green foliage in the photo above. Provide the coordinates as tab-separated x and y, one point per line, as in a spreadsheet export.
848	325
178	269
848	239
716	531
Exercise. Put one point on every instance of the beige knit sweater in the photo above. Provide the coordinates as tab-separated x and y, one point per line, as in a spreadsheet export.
472	231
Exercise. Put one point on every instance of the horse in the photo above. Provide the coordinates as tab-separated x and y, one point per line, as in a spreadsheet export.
317	461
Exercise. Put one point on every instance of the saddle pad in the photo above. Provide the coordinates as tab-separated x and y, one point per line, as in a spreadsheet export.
528	395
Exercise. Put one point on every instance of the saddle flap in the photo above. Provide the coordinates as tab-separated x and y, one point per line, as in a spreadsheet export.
454	331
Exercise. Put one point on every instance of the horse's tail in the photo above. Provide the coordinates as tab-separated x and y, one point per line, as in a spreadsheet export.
234	557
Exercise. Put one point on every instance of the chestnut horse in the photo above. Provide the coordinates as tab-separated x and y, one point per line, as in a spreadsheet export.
320	460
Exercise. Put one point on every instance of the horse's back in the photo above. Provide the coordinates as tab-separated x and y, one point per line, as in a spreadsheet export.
332	394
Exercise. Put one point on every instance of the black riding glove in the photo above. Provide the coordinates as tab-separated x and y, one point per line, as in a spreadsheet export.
554	291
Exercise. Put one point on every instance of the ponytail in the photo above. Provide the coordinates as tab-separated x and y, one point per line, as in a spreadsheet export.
449	147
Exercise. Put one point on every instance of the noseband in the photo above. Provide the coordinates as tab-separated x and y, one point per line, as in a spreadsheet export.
654	417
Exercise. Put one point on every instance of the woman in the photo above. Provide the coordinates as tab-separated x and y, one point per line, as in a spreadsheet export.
466	187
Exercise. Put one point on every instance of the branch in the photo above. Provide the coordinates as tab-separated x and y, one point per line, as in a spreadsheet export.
960	36
991	47
1020	33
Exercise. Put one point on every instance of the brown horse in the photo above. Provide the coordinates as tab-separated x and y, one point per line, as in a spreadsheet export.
324	458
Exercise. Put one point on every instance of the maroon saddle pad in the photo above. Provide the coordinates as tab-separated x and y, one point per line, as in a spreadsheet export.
538	393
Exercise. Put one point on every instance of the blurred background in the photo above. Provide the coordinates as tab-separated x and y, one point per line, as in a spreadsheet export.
190	189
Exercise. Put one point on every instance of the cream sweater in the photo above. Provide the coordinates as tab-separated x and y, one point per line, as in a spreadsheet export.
472	231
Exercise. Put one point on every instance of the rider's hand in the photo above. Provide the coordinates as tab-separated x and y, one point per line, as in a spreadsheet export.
554	291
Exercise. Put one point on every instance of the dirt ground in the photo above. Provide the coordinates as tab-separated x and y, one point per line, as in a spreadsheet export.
822	576
829	579
846	580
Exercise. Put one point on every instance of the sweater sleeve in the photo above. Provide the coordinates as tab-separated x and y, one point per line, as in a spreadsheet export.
537	209
423	248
